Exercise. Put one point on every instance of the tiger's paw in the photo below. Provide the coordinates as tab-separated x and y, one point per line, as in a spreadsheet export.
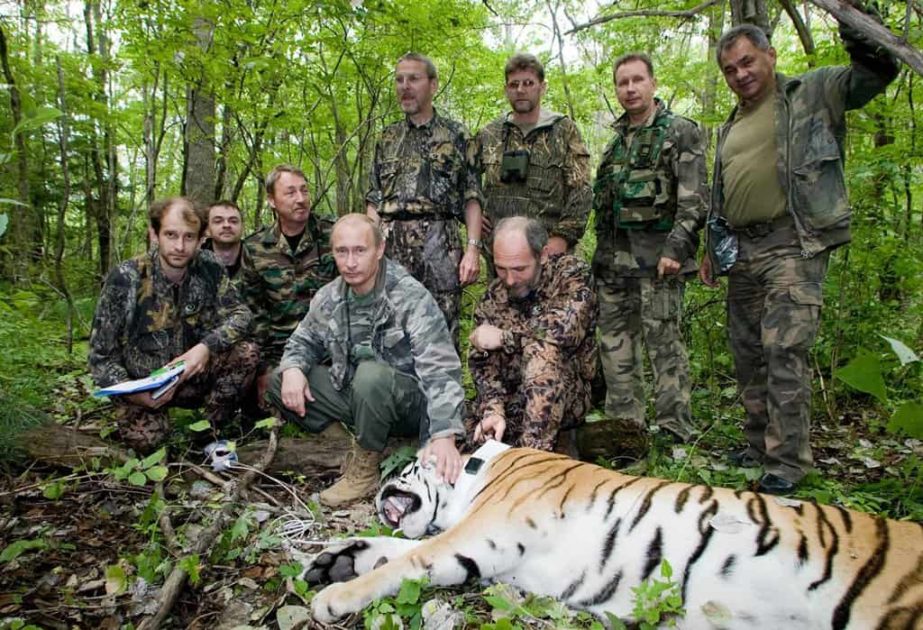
354	557
328	605
336	563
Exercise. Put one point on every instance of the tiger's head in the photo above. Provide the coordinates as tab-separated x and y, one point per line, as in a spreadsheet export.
413	500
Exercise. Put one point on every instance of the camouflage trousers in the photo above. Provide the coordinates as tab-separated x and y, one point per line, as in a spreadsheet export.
645	312
430	249
773	312
378	402
218	389
549	396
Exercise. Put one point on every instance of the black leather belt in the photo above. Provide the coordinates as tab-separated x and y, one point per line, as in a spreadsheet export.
759	230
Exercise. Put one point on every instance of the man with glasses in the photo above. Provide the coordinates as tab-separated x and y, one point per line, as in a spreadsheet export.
423	182
533	161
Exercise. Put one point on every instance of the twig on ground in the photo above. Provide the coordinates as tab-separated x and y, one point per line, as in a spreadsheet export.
174	583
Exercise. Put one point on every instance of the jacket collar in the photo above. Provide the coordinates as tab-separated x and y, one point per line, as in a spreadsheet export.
622	123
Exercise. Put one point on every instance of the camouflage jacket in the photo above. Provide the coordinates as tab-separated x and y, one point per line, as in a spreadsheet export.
557	189
408	333
810	131
650	196
425	171
232	270
561	310
278	284
143	320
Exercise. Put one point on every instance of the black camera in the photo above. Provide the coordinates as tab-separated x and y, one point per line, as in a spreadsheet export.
514	168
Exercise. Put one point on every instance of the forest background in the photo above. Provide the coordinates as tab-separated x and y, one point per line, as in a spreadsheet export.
106	105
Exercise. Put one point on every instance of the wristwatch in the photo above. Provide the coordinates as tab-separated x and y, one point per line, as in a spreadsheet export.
475	242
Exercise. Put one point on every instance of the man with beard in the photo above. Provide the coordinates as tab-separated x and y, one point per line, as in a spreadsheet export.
284	265
533	160
374	353
533	351
173	304
225	227
423	181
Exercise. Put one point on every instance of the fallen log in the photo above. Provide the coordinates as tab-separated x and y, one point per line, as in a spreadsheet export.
318	455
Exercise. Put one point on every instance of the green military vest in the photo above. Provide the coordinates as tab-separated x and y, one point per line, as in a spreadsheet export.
632	184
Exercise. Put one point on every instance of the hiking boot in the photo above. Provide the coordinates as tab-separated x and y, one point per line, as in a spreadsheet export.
360	481
744	459
774	484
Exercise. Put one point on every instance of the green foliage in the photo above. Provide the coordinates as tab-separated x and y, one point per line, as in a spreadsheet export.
866	373
19	547
139	472
388	612
396	461
191	565
658	602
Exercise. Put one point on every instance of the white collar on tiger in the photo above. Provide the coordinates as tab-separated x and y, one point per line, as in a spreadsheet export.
488	450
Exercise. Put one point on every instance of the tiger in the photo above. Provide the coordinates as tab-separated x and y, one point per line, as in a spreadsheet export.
587	535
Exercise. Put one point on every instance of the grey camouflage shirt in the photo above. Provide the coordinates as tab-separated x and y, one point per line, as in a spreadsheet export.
409	334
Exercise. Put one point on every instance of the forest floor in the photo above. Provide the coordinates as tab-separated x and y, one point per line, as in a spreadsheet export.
86	548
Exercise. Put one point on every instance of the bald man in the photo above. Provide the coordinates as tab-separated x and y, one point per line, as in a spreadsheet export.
393	369
533	351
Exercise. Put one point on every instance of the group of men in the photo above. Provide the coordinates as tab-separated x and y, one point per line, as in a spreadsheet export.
357	323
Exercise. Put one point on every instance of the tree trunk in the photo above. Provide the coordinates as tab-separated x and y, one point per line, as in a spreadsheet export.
100	204
750	12
60	237
21	214
199	176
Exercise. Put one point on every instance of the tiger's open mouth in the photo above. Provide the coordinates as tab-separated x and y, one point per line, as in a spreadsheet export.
395	504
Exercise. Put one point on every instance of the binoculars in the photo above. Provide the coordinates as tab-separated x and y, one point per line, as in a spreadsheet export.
514	167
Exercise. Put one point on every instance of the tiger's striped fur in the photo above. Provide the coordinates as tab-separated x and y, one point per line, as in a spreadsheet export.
586	535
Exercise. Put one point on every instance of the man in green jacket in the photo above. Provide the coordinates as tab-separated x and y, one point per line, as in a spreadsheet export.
284	264
651	196
778	208
374	352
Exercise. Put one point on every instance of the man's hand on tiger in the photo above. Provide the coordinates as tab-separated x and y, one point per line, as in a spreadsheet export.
448	459
491	427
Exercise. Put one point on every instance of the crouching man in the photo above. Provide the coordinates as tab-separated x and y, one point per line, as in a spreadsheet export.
174	303
533	353
392	368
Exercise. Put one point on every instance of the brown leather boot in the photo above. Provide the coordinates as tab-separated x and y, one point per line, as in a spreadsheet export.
360	481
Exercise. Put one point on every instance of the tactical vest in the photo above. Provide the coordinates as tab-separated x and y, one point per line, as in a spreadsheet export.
541	196
635	187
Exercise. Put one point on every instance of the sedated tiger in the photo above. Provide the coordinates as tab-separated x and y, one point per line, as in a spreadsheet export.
587	535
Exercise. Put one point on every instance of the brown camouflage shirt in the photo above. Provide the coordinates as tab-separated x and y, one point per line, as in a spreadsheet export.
561	310
143	320
557	189
424	171
650	196
278	284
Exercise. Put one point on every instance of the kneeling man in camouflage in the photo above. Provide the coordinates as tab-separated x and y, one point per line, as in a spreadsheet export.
373	352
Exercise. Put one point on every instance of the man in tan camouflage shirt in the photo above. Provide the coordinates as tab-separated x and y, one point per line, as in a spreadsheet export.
174	303
533	352
533	160
284	265
423	181
650	200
